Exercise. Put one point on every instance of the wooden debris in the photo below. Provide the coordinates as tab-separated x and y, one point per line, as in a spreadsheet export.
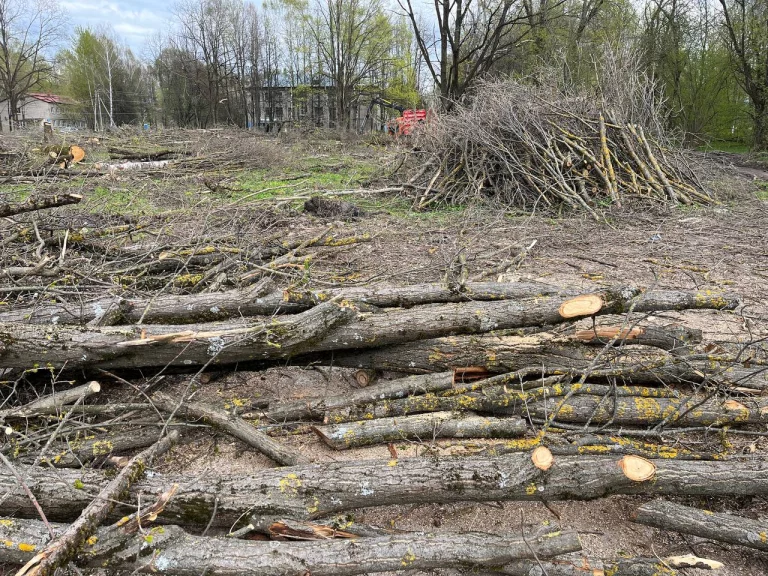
231	424
314	491
422	427
711	525
37	202
586	305
57	553
542	458
173	551
637	468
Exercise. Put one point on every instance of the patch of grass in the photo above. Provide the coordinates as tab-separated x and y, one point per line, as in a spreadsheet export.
762	191
725	146
120	201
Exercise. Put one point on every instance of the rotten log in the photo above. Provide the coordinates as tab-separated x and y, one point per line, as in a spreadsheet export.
422	427
37	202
316	491
262	300
327	327
231	424
172	551
711	525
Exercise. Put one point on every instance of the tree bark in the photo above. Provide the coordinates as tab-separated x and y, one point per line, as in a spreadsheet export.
320	329
175	552
494	399
316	491
423	427
36	202
258	301
505	353
60	551
231	424
621	567
399	388
711	525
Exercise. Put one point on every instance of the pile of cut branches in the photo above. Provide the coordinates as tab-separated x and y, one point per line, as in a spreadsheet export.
534	148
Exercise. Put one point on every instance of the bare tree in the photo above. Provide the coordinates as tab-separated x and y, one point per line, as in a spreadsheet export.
472	35
28	31
746	28
353	38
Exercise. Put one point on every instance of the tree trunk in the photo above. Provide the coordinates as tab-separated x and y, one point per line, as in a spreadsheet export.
258	301
423	427
36	202
327	327
319	490
175	552
504	353
713	526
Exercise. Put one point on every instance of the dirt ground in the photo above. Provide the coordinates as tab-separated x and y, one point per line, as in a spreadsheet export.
725	246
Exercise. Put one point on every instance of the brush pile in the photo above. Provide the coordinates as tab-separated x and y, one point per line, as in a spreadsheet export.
534	148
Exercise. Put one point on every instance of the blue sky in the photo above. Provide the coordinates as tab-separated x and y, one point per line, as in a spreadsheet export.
134	22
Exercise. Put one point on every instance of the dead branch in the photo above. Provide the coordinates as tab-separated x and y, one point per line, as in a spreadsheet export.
231	424
37	202
711	525
422	427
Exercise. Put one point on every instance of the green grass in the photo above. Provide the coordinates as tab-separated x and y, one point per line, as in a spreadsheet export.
120	201
762	191
725	146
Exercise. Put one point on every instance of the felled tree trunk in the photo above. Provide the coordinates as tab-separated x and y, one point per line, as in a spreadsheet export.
36	202
175	552
505	353
263	300
423	427
316	491
327	327
711	525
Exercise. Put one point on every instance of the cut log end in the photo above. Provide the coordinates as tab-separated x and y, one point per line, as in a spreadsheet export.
542	458
585	305
637	469
94	387
77	153
365	377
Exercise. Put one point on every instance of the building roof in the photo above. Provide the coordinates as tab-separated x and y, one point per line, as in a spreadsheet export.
50	98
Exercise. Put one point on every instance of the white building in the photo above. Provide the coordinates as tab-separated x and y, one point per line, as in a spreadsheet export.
36	108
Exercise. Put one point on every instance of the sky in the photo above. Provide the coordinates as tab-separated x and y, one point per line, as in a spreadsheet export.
133	21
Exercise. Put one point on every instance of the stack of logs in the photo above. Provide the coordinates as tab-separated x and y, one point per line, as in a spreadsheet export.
578	390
